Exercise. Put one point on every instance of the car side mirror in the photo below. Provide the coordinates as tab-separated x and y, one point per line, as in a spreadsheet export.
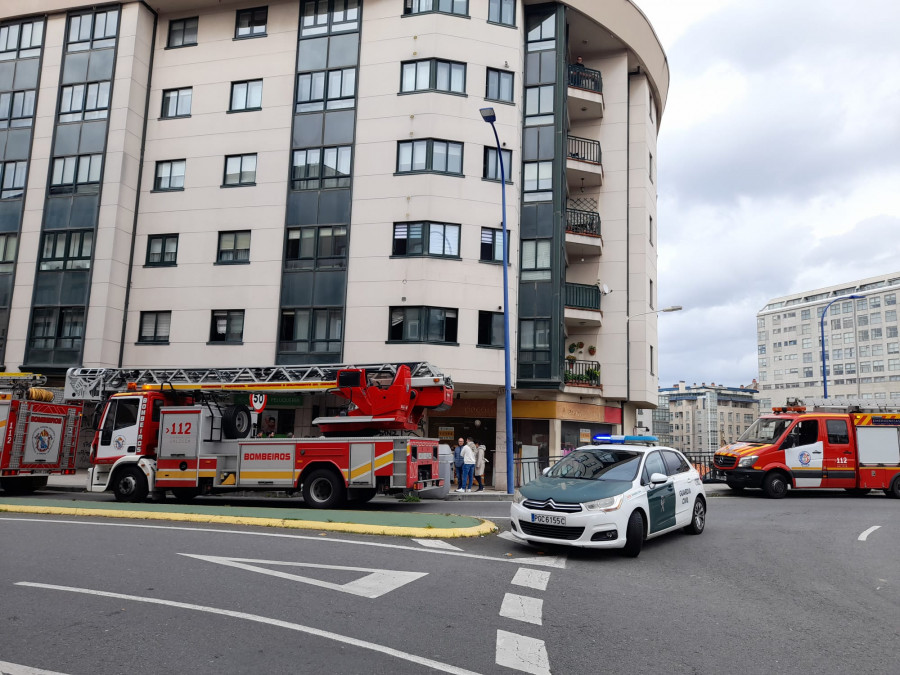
658	478
545	471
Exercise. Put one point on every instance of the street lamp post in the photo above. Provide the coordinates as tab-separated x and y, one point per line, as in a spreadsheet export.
822	338
490	117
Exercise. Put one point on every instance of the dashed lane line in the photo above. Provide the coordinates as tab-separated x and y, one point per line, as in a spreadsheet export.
536	579
522	653
437	543
522	608
865	534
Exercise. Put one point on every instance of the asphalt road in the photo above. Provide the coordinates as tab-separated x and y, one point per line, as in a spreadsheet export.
771	586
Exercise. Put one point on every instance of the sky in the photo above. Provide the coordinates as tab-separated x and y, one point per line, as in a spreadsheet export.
778	166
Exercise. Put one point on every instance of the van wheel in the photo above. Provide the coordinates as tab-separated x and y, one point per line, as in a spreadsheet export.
894	490
634	535
775	486
322	489
130	485
698	518
236	421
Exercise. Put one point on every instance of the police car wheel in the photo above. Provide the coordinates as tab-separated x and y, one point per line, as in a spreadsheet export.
634	535
775	486
698	518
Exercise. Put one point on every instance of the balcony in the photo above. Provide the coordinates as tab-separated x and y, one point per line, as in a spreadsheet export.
582	305
583	162
583	222
585	78
581	373
585	94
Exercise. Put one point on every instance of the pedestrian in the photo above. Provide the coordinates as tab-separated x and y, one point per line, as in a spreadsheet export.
468	468
458	461
480	459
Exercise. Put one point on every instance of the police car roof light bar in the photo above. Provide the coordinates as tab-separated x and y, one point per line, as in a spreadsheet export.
619	439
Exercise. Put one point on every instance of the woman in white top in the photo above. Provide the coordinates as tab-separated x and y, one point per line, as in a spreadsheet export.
468	456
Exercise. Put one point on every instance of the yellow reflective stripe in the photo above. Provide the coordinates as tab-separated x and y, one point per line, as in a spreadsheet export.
383	460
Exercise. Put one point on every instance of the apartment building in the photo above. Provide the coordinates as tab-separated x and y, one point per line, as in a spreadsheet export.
861	350
200	183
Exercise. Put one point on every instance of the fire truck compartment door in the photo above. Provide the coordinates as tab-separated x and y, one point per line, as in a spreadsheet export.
362	464
179	433
119	430
878	445
266	464
45	433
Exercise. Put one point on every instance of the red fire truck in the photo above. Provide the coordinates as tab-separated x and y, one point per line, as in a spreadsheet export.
39	437
181	430
830	446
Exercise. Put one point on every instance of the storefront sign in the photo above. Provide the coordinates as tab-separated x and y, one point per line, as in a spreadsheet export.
563	410
584	435
469	407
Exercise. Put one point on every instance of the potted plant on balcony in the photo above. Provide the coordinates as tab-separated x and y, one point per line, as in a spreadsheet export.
593	375
570	361
592	350
572	348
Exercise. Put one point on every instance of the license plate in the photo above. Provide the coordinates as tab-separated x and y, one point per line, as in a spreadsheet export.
548	520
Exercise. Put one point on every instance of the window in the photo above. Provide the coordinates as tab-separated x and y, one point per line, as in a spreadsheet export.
183	32
502	11
651	295
21	40
490	329
492	168
491	245
92	31
307	331
176	102
169	175
539	105
538	180
890	299
226	325
155	327
12	179
234	247
246	95
429	155
650	229
317	19
891	332
8	245
890	316
240	170
316	247
541	30
875	302
57	327
67	250
162	249
422	324
84	102
76	174
650	167
431	239
460	7
499	85
535	260
534	348
16	109
433	75
317	168
251	22
333	89
875	318
862	320
652	361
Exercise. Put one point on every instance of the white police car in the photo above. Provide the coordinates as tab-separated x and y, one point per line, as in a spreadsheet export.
613	494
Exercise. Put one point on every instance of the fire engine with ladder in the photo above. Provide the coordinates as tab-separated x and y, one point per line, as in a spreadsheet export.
179	429
40	437
845	444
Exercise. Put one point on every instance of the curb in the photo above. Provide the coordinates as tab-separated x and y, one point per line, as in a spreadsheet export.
486	526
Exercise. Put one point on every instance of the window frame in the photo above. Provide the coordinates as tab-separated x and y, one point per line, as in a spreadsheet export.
536	273
157	179
500	5
239	256
18	52
426	228
66	261
412	8
434	65
331	25
178	92
83	112
317	179
327	101
500	73
9	247
251	12
183	22
240	182
247	84
339	242
429	156
423	324
507	164
57	320
92	42
495	244
76	186
316	318
164	239
536	192
494	341
9	119
229	315
156	338
10	190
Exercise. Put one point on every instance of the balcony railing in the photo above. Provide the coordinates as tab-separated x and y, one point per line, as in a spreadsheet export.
585	78
582	296
582	222
581	373
584	149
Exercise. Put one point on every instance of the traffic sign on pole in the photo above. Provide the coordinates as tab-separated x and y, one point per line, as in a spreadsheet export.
258	402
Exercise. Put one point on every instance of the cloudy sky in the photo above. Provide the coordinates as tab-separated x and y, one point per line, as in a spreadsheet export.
779	166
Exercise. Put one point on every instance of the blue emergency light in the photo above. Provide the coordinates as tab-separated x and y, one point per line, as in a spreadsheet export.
619	439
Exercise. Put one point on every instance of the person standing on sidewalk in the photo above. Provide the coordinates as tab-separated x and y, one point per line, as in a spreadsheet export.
458	461
480	459
468	468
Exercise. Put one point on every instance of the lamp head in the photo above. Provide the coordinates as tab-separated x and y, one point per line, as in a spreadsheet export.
488	115
673	308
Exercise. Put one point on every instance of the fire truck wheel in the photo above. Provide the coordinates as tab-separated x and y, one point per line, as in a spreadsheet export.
894	490
775	485
236	421
322	489
634	535
184	495
130	485
698	518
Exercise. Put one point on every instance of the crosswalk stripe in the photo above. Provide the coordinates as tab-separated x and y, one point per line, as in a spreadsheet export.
522	653
536	579
522	608
437	543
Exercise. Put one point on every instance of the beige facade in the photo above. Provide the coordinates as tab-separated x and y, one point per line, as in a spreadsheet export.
171	258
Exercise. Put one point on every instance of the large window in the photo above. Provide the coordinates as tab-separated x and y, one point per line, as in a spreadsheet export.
539	105
490	329
491	244
183	32
162	249
84	102
492	167
76	174
535	260
502	11
538	181
8	245
16	109
240	170
499	85
67	250
12	179
176	102
93	31
251	23
319	17
316	247
541	30
422	324
21	40
429	155
226	325
316	168
534	348
331	89
433	75
431	239
57	327
234	247
169	175
306	331
155	327
460	7
246	95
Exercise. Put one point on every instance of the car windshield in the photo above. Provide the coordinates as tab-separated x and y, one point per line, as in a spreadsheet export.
764	430
598	464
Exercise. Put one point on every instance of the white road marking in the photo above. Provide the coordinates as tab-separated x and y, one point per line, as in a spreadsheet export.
536	579
375	584
363	644
866	533
15	669
522	608
522	653
546	561
437	543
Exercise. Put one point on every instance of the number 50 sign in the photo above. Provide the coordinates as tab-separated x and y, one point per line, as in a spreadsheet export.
258	402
